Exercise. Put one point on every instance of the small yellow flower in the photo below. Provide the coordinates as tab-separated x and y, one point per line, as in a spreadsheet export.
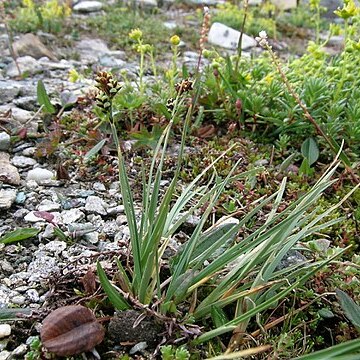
248	77
73	75
268	79
135	34
349	10
175	40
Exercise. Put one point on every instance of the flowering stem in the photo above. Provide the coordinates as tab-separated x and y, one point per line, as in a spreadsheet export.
239	49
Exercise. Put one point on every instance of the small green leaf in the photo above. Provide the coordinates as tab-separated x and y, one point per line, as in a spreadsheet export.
18	235
43	98
326	313
310	150
114	296
161	108
351	309
218	316
94	150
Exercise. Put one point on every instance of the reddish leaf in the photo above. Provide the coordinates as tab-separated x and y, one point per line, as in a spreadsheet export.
89	282
44	215
71	330
206	131
22	133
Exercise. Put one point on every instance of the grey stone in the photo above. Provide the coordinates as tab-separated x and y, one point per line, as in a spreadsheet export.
88	6
30	44
4	141
116	210
8	173
55	65
110	228
92	49
92	237
19	351
23	161
55	246
108	60
7	198
95	205
28	103
98	186
18	300
72	216
42	267
30	151
33	295
261	162
226	37
9	90
27	64
48	205
21	116
39	175
6	266
48	233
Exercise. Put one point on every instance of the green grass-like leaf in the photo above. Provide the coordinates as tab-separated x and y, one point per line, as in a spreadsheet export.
351	309
114	296
43	98
18	235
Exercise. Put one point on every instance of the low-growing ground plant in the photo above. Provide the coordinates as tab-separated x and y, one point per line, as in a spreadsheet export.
49	17
224	279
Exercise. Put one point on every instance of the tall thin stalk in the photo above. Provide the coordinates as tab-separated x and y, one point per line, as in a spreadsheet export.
239	48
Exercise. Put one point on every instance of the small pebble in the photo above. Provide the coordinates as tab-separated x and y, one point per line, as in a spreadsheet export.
98	186
5	355
20	350
18	300
5	330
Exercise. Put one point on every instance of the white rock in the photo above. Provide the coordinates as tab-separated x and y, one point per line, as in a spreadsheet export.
7	198
5	330
71	216
31	217
285	4
116	210
226	37
39	175
18	300
5	355
147	3
55	246
22	161
96	205
4	141
33	295
98	186
88	6
48	205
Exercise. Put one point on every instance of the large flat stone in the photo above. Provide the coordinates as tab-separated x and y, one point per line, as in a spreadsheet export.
30	44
